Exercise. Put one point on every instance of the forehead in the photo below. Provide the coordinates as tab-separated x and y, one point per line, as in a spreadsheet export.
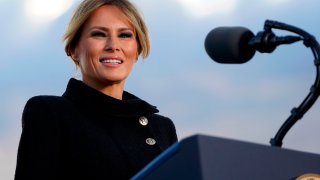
109	16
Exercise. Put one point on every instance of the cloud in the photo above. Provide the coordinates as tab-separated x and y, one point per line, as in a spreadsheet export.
203	8
8	154
41	11
230	87
277	2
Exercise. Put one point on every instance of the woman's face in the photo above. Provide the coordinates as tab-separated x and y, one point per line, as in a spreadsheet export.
107	49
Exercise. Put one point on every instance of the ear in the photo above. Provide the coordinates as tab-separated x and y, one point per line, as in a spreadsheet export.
74	56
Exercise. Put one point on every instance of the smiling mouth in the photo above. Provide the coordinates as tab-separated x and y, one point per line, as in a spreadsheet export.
111	61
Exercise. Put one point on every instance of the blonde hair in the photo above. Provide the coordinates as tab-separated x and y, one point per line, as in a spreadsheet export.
87	7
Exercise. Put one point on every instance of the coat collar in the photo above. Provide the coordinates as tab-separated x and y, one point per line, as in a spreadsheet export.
87	98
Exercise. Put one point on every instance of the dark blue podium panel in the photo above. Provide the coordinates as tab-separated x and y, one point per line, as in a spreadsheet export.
206	158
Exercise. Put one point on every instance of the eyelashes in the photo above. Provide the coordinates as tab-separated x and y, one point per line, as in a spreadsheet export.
97	34
125	35
122	35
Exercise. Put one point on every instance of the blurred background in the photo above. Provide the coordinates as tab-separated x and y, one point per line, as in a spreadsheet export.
247	102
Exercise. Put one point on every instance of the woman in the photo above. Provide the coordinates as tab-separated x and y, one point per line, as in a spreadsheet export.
95	130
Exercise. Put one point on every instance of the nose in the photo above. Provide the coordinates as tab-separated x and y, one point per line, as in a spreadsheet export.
112	44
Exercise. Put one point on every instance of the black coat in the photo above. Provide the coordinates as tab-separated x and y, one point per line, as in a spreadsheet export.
85	134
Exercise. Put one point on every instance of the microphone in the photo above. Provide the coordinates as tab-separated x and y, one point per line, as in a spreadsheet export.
237	45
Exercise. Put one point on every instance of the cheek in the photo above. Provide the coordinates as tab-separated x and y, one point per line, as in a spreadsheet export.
132	52
88	52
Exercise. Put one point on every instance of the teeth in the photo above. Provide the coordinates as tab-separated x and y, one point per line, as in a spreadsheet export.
112	61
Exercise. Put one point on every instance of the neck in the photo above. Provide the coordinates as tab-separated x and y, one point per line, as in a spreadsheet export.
114	90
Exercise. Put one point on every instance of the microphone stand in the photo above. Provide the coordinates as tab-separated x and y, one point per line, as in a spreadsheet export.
297	112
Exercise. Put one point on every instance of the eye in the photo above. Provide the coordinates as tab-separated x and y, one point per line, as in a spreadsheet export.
125	35
98	34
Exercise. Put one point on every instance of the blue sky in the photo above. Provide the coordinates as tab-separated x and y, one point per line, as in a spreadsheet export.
245	102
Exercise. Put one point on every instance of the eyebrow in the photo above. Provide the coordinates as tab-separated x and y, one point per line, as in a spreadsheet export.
107	29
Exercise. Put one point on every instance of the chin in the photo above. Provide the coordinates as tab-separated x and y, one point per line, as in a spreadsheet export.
113	80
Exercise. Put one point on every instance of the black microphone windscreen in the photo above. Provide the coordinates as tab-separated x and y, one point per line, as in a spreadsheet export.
229	45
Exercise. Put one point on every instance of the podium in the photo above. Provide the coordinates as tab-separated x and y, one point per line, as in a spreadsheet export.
202	157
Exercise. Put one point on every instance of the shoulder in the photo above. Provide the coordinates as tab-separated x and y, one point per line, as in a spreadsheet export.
37	104
158	119
45	102
39	108
163	128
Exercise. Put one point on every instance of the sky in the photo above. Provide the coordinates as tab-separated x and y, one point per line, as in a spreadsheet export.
247	102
